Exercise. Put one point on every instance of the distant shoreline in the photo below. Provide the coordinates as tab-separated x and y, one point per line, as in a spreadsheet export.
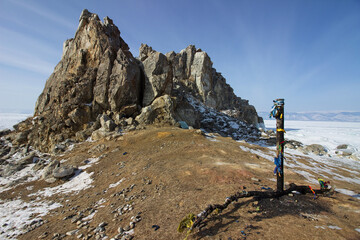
318	116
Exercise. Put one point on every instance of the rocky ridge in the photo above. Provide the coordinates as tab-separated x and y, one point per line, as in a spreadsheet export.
99	87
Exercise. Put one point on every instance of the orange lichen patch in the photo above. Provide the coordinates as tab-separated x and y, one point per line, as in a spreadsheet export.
163	134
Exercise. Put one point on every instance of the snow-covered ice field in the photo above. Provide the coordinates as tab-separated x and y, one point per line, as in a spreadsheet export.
328	134
8	120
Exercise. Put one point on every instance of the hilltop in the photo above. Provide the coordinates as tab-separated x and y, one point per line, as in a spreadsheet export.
155	177
123	148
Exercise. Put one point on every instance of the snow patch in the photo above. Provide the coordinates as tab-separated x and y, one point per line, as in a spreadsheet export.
20	177
348	192
99	203
258	152
117	183
80	181
90	216
334	227
16	214
89	162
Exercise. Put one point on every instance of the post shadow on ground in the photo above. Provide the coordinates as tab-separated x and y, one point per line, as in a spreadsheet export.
285	205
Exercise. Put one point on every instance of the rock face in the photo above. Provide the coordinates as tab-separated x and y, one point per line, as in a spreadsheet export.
98	75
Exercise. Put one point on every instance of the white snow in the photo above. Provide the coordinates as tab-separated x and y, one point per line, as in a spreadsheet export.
100	203
90	162
8	120
348	192
117	183
14	215
22	176
334	227
81	181
259	153
330	226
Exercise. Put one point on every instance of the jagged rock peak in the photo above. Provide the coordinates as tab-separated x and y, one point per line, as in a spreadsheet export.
86	15
97	73
145	51
99	86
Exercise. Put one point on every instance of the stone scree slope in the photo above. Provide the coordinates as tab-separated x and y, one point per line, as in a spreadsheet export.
98	84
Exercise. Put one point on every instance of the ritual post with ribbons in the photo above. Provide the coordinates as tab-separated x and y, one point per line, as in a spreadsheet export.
192	221
277	112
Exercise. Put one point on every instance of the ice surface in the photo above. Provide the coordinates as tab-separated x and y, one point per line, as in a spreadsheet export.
328	134
8	120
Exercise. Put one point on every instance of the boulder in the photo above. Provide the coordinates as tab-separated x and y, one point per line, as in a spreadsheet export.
107	124
99	134
4	150
342	146
31	158
21	137
161	112
80	115
124	86
48	170
129	121
4	132
201	72
83	135
63	172
130	110
158	74
12	168
292	144
316	149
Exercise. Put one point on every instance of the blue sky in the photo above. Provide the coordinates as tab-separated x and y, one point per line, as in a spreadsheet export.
305	51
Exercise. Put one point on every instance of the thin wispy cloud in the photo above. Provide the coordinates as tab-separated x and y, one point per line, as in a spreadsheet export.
15	40
21	60
45	12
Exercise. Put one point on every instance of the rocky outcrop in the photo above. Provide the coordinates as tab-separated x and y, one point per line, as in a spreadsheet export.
97	73
161	111
98	86
157	74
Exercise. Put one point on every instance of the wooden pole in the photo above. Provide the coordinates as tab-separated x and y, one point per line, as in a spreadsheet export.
280	144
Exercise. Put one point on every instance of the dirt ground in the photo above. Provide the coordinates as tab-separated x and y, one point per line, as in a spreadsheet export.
169	173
